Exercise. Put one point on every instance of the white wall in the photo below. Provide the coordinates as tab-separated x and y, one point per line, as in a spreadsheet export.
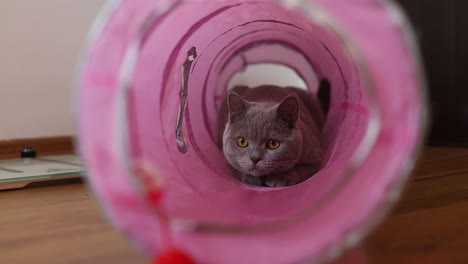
40	41
268	73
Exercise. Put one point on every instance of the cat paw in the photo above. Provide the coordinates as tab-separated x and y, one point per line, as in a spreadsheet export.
276	182
251	180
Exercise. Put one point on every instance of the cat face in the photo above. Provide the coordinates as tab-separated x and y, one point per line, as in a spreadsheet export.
262	138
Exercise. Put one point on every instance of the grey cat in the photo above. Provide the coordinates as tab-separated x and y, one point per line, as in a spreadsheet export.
270	135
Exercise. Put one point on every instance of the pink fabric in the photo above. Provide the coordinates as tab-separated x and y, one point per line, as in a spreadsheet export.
197	185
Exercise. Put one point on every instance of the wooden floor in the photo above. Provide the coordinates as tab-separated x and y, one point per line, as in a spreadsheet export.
430	225
63	224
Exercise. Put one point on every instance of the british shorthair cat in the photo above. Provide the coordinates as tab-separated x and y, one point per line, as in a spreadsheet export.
270	135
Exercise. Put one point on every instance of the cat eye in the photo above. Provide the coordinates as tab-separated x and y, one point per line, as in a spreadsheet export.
273	144
242	142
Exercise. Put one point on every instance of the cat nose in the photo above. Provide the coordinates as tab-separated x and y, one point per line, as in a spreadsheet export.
255	160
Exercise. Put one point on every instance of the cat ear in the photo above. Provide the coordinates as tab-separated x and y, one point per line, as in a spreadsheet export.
288	110
237	106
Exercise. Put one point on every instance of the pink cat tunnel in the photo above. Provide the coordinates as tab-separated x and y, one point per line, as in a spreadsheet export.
150	86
